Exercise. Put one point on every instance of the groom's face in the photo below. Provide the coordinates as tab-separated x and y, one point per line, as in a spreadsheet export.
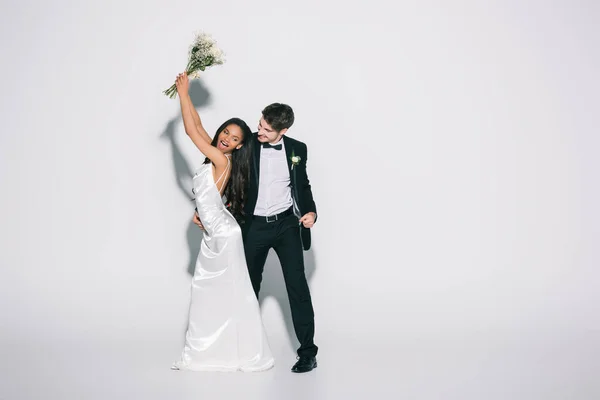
266	134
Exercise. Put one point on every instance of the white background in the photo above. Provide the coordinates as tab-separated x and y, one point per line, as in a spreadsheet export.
453	153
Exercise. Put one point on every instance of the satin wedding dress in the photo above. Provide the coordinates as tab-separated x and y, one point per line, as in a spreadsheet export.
225	330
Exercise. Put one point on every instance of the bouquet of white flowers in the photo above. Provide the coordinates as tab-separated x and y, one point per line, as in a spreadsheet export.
203	53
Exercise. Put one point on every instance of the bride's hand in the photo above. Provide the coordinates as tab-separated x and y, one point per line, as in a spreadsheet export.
197	221
182	83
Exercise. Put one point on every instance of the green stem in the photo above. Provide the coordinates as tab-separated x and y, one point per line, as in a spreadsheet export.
191	67
170	92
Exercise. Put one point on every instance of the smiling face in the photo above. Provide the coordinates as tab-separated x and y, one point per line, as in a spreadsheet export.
266	134
230	139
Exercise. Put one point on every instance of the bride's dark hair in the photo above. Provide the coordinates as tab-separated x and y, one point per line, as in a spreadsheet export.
235	191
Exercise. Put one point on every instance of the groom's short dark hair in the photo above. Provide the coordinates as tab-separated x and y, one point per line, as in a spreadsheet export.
279	116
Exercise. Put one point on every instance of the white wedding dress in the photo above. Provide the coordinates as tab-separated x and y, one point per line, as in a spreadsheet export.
225	330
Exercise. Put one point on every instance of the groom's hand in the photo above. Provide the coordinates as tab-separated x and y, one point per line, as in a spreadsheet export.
197	221
308	220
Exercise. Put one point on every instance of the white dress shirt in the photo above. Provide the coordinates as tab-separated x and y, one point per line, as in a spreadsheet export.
274	191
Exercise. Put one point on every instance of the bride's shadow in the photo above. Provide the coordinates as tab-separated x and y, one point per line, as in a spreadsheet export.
273	284
184	172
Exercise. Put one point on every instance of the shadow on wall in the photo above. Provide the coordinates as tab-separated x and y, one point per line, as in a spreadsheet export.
184	171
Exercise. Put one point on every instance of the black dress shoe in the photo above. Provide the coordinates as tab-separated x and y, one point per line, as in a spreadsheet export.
305	364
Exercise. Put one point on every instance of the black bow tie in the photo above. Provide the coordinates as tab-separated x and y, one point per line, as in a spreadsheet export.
270	146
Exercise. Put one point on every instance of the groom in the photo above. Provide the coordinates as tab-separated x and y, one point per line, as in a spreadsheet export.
280	211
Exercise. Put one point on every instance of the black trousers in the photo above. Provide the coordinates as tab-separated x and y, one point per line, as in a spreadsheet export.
284	237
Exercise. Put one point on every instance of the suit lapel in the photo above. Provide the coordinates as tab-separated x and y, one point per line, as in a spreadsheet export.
289	150
256	159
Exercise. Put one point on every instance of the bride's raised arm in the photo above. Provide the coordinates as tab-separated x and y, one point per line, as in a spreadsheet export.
193	127
197	120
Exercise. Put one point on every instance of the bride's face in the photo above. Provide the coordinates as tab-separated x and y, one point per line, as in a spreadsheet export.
230	139
266	134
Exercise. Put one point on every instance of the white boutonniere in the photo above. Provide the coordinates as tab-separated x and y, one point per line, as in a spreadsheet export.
295	159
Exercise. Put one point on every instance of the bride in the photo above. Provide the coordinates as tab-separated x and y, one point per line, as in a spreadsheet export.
225	330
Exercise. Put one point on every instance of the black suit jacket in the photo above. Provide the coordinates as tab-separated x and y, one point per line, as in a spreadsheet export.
299	182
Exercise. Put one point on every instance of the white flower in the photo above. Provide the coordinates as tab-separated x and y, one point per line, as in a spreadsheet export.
295	159
203	53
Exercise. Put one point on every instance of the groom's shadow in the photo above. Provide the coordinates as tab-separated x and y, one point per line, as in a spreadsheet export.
184	172
273	285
